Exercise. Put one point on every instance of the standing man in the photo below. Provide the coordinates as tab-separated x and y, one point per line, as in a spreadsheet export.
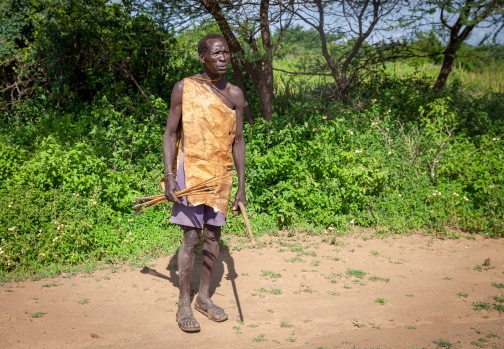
202	139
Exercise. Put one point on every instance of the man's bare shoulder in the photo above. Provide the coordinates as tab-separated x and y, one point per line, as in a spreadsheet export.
179	86
237	94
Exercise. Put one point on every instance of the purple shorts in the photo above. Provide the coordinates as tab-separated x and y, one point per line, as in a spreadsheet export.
194	216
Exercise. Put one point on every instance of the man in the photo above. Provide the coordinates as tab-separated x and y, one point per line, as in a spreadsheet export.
204	127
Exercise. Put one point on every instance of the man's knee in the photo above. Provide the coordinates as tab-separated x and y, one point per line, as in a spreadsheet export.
191	237
212	233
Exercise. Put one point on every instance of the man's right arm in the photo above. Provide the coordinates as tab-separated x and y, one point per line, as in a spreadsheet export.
170	141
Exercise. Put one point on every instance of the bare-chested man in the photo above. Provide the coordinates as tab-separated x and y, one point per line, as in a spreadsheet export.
203	138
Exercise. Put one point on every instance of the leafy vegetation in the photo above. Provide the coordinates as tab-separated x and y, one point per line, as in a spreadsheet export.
81	135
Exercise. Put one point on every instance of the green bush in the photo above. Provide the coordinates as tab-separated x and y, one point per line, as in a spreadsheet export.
398	164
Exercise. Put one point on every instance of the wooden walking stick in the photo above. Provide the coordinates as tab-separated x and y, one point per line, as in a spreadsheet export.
247	223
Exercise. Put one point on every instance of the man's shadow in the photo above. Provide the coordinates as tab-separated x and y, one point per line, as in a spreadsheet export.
224	258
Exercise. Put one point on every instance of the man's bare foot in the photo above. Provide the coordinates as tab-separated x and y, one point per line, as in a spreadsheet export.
186	320
212	311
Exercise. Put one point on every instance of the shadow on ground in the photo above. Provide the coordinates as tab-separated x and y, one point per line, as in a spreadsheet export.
224	258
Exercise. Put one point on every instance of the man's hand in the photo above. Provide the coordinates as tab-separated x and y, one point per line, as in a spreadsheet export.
239	197
171	187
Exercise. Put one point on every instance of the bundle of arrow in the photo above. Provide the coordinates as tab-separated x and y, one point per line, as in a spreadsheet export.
205	187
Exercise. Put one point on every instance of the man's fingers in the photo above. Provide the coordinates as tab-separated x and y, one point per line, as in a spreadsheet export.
176	199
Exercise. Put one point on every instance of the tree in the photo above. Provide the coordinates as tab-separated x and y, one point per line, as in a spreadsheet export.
355	23
247	28
458	18
16	33
77	49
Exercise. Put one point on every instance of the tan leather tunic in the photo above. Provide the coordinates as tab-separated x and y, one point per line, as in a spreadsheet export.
208	128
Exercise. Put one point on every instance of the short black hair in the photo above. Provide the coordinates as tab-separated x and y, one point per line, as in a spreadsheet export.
202	44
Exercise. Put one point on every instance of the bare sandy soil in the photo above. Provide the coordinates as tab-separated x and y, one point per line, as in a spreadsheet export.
297	292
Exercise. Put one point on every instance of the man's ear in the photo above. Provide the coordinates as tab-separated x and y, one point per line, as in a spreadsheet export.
201	58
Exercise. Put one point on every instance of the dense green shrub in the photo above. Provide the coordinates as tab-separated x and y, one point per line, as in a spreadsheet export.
397	162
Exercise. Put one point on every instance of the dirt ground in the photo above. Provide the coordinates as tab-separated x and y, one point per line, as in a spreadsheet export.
297	292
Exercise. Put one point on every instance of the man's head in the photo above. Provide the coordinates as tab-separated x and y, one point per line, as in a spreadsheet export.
214	54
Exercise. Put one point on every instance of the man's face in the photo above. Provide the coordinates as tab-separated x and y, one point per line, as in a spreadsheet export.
216	58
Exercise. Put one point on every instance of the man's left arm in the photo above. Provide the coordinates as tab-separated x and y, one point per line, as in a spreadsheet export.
239	148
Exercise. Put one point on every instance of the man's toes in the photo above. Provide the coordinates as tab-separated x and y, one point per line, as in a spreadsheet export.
192	323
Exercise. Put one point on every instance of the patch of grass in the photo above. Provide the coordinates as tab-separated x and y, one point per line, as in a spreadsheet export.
481	306
306	321
359	282
411	327
296	248
499	307
381	301
237	329
286	324
333	293
253	325
347	287
478	268
50	285
375	253
276	291
260	338
448	278
409	295
356	273
443	343
84	301
374	326
315	263
499	298
38	314
376	278
9	290
358	324
291	339
240	322
270	311
260	295
333	277
463	294
309	253
501	285
305	289
297	259
480	342
270	274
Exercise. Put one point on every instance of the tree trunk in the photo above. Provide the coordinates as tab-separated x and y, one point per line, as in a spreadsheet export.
247	112
265	91
446	68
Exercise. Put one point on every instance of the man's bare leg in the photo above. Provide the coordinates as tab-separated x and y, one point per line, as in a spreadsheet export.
210	253
185	266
